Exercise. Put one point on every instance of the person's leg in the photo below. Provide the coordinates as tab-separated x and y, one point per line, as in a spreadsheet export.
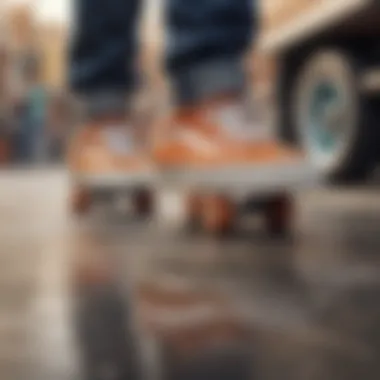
103	51
206	42
216	141
106	153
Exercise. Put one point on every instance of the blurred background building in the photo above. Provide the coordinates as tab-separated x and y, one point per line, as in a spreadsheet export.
32	80
34	41
52	41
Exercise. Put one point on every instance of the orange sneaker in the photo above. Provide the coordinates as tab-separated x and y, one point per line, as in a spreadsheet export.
108	156
215	145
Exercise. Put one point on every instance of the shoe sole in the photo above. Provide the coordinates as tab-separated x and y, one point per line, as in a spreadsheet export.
249	179
114	181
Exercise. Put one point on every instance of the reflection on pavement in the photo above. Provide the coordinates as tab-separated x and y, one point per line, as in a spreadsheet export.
193	308
302	309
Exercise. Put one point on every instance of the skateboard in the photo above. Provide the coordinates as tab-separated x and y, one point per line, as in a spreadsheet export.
215	199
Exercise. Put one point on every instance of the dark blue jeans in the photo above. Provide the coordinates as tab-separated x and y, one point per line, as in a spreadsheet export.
206	40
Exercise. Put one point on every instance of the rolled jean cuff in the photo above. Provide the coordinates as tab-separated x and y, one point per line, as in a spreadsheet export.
209	79
105	104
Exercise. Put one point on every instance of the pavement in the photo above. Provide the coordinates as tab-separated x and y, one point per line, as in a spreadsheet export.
301	308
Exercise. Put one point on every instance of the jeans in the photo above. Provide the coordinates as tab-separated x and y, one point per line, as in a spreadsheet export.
205	42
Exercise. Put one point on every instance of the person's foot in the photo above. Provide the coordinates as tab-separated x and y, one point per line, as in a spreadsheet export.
217	141
108	153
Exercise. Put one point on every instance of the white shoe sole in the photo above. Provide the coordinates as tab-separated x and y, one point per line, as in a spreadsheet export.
249	179
114	181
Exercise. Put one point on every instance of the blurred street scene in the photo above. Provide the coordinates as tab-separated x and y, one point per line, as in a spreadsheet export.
102	278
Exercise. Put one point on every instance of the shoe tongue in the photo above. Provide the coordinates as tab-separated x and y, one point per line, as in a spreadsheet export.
119	139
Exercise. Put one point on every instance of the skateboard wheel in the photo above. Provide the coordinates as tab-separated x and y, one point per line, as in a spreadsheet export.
194	212
279	215
218	215
81	201
143	202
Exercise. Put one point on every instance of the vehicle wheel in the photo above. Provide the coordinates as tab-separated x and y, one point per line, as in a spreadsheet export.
218	215
332	119
107	346
278	214
81	201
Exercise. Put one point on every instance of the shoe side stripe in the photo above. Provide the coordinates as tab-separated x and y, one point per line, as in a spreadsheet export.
198	142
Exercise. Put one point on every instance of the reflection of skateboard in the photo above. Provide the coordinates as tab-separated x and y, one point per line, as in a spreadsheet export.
178	334
102	172
217	197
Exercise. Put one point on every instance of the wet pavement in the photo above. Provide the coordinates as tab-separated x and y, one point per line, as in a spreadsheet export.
302	308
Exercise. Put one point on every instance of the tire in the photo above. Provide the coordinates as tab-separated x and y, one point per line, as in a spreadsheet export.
333	121
107	345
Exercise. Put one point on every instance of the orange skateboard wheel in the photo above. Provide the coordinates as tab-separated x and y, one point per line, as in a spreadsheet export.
81	201
218	214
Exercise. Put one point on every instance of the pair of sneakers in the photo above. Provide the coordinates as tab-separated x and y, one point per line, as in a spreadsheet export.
213	144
